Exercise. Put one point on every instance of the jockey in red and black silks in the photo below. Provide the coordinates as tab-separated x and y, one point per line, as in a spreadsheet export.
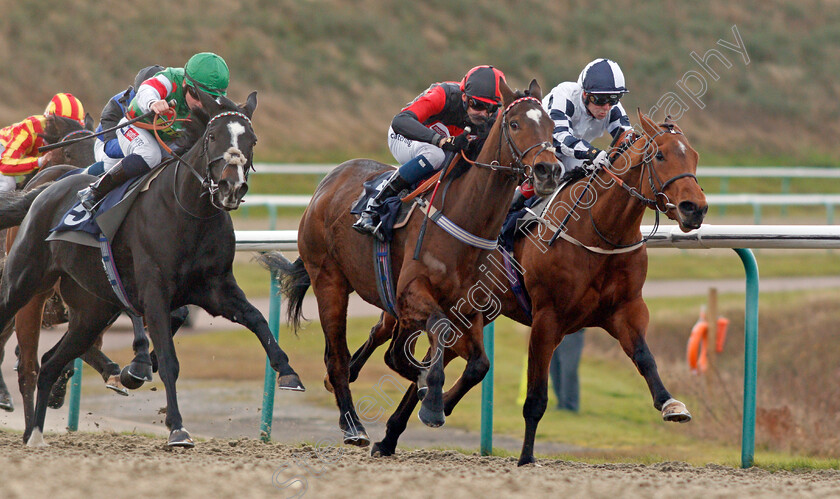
433	123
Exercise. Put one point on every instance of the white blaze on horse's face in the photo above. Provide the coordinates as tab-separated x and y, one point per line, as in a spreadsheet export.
681	146
535	114
236	129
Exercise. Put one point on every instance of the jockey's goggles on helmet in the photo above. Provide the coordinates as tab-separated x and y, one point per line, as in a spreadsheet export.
601	99
482	106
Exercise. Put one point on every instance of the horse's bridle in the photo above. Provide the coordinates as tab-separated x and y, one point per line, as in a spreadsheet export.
207	182
518	168
70	135
653	176
634	192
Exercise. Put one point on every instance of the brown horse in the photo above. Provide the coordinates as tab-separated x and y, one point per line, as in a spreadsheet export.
337	260
28	321
594	276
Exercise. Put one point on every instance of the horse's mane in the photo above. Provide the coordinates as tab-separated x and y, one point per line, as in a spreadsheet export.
196	124
475	148
56	127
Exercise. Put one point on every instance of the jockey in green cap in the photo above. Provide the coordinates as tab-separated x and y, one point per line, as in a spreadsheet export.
204	72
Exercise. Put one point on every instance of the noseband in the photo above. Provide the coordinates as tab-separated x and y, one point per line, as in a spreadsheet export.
518	168
210	185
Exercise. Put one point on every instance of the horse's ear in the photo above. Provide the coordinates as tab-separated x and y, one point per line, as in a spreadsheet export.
210	104
250	105
88	122
507	94
648	125
534	90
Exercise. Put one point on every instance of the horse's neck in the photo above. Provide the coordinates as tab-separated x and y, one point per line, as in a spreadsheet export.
479	200
617	215
191	196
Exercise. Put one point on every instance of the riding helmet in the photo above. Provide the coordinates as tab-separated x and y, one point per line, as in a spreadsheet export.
66	105
208	72
482	83
602	76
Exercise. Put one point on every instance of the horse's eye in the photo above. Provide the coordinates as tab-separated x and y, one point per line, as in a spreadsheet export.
514	125
211	137
660	156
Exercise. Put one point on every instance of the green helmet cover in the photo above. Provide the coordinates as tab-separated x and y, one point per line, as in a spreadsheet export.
208	72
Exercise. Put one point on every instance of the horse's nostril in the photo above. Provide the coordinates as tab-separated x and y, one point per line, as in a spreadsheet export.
541	169
688	207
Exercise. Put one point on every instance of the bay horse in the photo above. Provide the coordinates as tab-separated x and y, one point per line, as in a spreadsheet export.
593	276
336	260
79	154
175	247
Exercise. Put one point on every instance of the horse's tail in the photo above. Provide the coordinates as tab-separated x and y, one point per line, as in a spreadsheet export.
293	280
14	205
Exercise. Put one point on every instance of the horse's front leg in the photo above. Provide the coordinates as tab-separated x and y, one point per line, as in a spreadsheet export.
229	301
156	309
628	325
5	397
471	347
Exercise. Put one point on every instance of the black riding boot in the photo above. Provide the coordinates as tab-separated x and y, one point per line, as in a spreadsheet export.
518	201
369	219
117	175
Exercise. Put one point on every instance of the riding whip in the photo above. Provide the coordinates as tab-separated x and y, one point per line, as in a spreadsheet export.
57	145
448	159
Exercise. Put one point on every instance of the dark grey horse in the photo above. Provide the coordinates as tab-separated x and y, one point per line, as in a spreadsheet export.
175	247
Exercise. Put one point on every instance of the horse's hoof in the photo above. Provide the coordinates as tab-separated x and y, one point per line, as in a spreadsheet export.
114	383
6	401
327	383
421	392
434	419
130	381
379	450
290	382
36	439
523	460
358	438
59	389
141	371
180	438
675	411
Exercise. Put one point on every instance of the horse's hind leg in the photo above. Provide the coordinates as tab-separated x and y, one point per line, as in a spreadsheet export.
379	334
628	325
28	328
5	397
86	322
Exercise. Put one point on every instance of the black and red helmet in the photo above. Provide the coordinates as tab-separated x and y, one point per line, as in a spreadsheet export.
482	83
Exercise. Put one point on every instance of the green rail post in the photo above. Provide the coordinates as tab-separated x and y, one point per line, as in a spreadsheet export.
75	396
268	386
487	395
750	357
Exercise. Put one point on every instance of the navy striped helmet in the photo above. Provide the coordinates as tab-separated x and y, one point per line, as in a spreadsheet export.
602	76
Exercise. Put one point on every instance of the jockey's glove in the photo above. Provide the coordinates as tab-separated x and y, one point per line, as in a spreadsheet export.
457	143
601	159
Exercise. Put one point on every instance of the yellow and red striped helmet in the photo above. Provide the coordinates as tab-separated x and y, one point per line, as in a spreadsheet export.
66	105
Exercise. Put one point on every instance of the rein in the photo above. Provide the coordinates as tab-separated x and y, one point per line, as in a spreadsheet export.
520	169
206	182
518	156
634	192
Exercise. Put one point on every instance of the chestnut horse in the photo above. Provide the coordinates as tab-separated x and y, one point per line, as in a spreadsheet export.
591	278
79	154
337	260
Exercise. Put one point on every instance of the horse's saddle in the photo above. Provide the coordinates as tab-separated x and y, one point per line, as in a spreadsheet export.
393	213
78	226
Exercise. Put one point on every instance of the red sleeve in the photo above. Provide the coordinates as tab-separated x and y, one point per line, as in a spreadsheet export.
21	154
428	104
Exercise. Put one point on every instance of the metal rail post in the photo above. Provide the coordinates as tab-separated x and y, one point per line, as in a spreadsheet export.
268	386
75	396
750	356
487	395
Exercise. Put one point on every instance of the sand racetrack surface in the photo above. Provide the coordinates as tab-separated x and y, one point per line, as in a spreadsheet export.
114	465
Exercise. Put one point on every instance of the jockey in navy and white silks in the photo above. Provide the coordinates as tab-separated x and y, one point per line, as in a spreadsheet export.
582	111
